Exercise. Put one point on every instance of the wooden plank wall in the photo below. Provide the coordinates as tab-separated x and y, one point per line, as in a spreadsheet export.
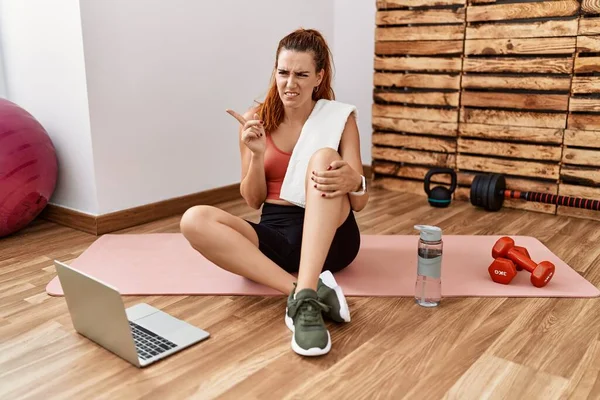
418	59
580	171
489	86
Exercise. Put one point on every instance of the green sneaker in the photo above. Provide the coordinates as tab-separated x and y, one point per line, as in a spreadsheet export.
303	316
330	293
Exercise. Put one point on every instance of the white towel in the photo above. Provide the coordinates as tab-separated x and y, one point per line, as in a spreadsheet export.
323	128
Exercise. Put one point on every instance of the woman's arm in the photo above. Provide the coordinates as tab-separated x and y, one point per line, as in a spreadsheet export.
350	152
253	187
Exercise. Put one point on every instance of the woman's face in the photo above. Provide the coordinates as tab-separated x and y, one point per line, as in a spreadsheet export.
296	77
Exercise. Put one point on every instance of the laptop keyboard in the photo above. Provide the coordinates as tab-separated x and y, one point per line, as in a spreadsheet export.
149	344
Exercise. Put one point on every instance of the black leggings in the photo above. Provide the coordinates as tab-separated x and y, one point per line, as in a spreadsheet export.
280	238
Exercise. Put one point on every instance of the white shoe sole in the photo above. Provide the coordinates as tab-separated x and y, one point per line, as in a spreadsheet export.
329	280
313	351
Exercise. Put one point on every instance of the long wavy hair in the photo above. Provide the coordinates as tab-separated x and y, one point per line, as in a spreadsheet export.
305	40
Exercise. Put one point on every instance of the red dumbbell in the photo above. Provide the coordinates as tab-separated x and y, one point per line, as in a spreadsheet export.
540	273
502	270
524	251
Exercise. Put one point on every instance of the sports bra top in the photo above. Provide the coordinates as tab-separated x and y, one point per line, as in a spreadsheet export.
276	163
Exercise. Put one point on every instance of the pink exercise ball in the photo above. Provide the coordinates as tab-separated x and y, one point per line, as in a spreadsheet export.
28	168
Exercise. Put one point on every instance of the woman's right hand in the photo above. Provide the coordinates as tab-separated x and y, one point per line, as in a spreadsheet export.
253	132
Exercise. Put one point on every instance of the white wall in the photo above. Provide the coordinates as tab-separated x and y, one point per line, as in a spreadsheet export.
45	74
160	76
354	32
133	93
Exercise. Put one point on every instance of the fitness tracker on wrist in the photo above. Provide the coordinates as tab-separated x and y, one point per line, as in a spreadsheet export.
363	188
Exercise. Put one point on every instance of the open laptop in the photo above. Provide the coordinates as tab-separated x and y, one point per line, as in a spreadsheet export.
140	334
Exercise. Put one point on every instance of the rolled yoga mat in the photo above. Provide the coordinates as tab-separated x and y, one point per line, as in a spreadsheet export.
165	264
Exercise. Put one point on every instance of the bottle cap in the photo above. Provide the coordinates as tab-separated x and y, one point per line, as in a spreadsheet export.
429	233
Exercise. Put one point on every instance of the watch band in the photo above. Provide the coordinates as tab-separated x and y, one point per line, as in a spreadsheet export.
363	187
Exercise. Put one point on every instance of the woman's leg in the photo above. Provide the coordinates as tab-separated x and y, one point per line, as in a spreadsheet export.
232	244
322	218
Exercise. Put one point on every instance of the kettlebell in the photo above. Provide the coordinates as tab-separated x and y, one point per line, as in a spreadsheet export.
440	196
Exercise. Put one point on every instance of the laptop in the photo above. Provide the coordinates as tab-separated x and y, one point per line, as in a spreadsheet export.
140	334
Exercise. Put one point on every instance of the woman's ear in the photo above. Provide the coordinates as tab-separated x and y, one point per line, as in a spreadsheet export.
320	77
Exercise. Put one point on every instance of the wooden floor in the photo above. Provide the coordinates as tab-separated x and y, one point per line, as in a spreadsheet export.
468	348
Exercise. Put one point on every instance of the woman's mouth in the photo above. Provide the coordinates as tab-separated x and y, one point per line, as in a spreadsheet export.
290	95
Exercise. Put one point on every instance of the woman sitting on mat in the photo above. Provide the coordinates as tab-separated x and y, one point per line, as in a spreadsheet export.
316	232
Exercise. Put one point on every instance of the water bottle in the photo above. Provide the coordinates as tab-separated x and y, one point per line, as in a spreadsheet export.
428	288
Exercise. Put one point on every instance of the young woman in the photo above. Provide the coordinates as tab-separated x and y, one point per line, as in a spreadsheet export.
320	236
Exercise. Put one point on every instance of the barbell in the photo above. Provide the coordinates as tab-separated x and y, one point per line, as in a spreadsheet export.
489	191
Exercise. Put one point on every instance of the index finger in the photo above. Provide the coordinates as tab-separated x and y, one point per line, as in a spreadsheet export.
237	116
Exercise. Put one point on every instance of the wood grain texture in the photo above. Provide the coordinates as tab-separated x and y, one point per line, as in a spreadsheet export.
426	114
417	64
516	82
546	65
509	150
421	81
419	47
415	126
508	166
511	133
589	26
590	6
428	32
385	4
414	142
538	29
585	84
407	171
574	137
420	16
541	9
413	156
588	122
534	348
513	118
419	98
586	65
579	191
585	176
589	157
583	104
524	101
588	44
520	46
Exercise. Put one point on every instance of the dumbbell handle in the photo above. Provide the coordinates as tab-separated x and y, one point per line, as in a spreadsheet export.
547	198
521	259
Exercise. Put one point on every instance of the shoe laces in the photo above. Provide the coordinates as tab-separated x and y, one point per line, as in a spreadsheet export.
309	311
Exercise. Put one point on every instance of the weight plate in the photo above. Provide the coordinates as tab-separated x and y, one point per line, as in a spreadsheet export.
480	184
500	188
476	195
473	194
490	193
484	189
494	200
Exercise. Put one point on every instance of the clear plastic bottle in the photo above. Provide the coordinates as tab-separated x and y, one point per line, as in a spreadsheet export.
428	288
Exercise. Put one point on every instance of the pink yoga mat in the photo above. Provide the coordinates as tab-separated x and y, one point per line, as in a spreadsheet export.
165	264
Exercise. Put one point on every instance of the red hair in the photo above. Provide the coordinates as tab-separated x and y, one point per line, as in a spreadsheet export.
305	40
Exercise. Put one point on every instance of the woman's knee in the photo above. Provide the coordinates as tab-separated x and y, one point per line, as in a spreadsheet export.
324	156
196	222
